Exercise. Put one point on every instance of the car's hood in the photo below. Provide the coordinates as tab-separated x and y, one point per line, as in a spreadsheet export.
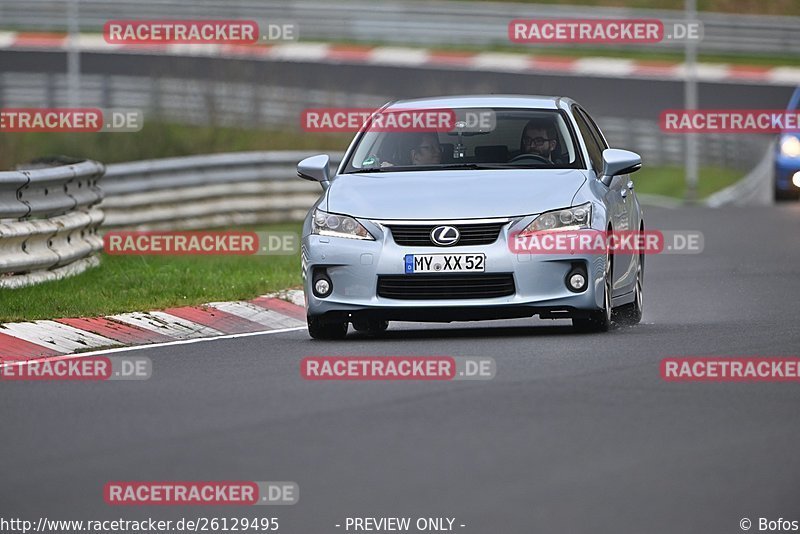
459	194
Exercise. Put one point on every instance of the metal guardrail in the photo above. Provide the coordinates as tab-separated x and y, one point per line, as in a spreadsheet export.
407	21
48	222
207	191
755	189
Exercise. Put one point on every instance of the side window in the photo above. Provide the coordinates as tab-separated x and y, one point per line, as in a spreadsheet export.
595	150
592	126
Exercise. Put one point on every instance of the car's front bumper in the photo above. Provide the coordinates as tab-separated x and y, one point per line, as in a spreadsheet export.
785	169
353	267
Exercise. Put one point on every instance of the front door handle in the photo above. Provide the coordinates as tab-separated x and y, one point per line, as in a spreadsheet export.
623	193
630	185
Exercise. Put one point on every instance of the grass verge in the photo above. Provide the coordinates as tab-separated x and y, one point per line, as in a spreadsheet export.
671	181
141	283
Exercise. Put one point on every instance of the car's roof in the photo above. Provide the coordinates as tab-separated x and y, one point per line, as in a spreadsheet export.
478	101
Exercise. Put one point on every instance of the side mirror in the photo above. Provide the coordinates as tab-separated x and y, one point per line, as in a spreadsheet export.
315	169
616	162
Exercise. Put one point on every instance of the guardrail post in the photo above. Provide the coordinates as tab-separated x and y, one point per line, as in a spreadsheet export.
690	99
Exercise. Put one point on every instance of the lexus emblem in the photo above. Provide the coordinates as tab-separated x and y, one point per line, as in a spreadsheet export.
445	236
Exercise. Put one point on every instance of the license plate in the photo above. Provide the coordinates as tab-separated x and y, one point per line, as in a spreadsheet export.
445	263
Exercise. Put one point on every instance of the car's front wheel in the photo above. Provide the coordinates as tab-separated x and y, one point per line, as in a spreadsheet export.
631	314
319	329
600	320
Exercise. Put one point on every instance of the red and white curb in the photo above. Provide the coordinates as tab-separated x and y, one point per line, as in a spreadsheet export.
59	337
421	57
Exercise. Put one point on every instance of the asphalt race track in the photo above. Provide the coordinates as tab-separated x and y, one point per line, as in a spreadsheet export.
577	433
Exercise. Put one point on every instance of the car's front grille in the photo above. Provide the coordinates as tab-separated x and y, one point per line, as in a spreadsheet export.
446	286
471	234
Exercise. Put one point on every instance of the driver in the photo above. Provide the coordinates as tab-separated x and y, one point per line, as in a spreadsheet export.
540	139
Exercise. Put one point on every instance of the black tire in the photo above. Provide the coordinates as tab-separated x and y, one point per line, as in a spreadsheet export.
371	327
631	314
318	329
600	320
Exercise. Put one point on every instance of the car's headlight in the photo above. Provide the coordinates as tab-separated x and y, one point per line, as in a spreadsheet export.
338	226
790	146
575	218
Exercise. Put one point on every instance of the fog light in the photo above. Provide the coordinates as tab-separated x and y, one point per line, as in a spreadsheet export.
796	179
577	281
322	287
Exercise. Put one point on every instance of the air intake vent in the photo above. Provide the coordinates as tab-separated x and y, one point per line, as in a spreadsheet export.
454	286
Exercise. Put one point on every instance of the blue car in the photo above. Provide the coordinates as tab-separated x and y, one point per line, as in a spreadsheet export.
418	226
787	159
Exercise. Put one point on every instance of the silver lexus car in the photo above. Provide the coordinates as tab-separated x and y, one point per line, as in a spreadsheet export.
417	221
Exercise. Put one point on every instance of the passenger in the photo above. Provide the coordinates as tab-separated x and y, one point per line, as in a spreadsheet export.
428	151
423	149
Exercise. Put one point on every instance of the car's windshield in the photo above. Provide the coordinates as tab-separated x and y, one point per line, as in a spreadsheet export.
476	138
